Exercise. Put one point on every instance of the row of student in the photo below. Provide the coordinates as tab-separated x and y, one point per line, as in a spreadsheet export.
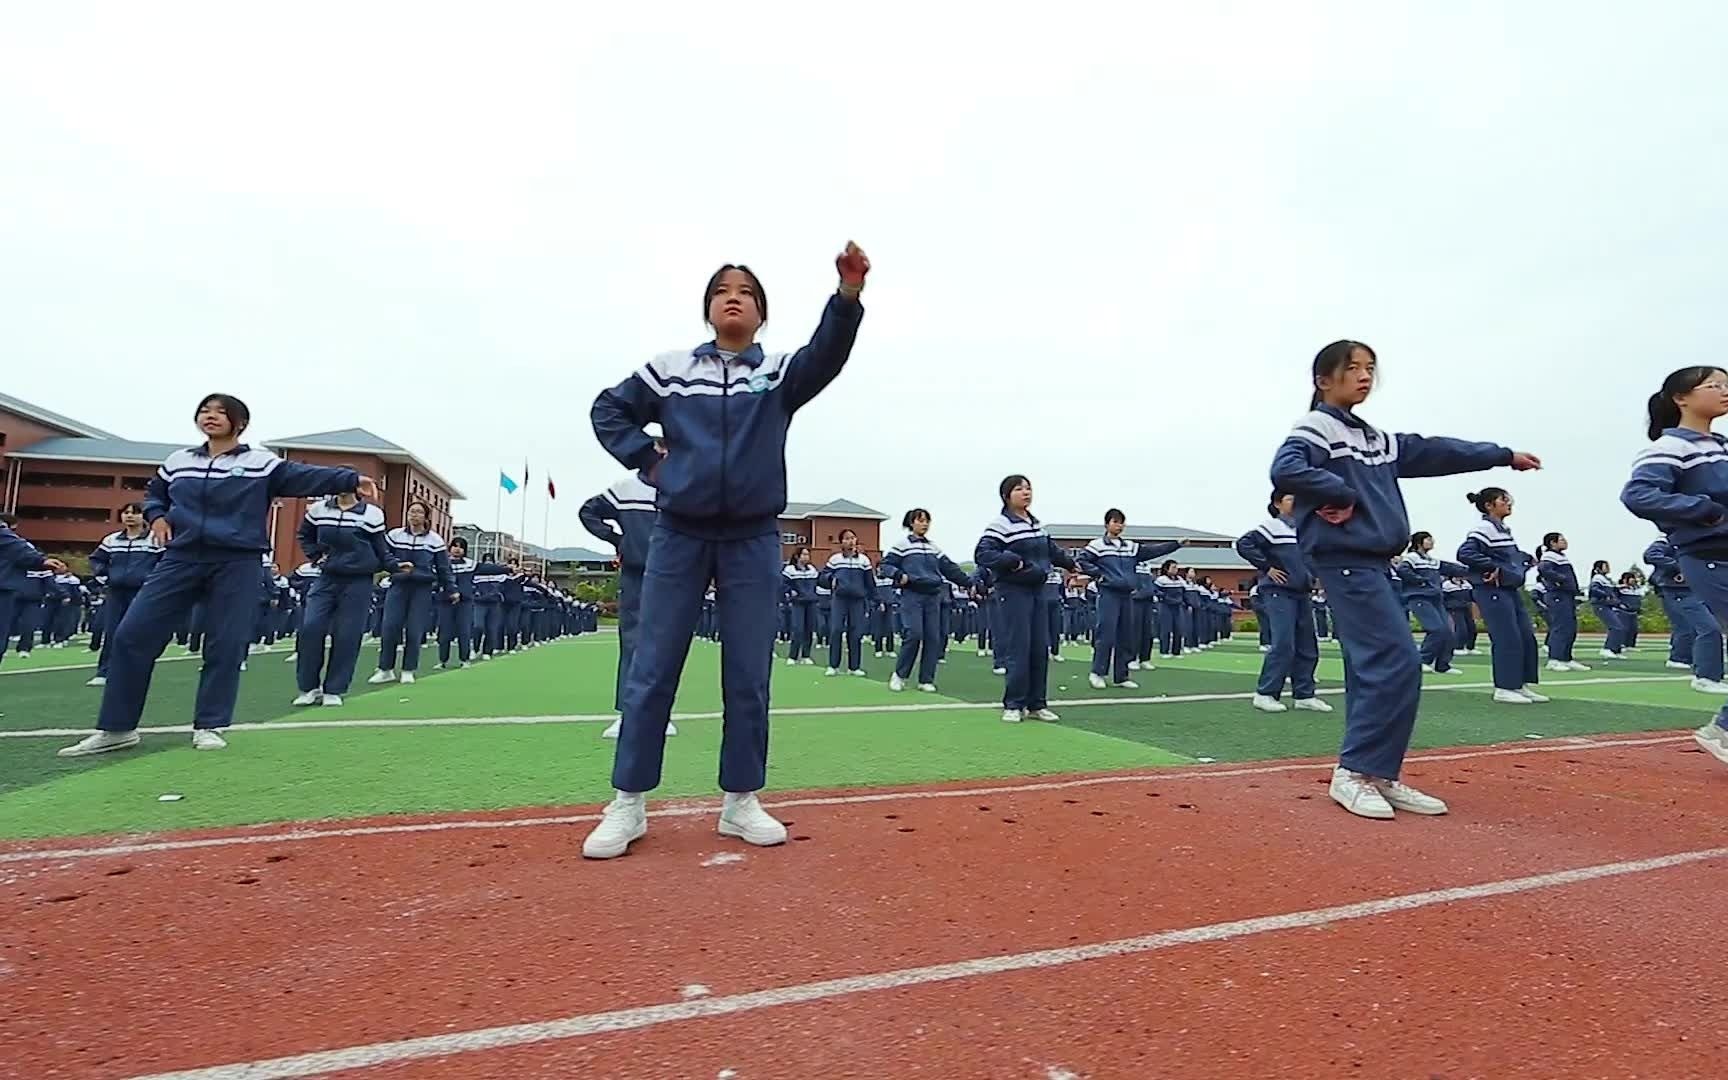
207	512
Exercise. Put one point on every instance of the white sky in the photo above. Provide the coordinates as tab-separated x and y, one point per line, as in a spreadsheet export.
1107	241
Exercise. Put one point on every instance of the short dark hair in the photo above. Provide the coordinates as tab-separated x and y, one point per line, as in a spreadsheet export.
1331	360
755	287
1009	483
1110	515
239	416
913	515
1416	539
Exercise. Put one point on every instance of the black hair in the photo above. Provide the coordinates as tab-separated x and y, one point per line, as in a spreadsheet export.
844	531
239	416
136	507
1165	568
1332	360
1481	500
460	541
913	515
422	504
1416	539
1277	497
1549	539
755	287
1664	412
1600	566
799	550
1008	484
1110	515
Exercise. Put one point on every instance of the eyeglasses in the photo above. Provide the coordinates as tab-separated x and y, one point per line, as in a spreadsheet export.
1717	385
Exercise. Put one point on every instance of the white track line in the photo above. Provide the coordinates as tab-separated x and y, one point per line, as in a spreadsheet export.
649	1016
591	638
689	808
811	710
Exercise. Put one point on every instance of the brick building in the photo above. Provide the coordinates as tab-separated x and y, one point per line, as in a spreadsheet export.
817	526
66	480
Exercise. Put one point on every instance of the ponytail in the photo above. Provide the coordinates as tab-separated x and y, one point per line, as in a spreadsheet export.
1664	411
1481	500
1664	414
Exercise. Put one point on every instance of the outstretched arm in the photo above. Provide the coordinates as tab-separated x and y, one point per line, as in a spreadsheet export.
812	368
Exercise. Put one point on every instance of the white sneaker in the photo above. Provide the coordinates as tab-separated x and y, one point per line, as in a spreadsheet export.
1536	699
407	678
309	697
1675	665
859	673
981	653
943	660
1043	714
1268	704
1359	794
97	681
205	739
1268	648
927	687
380	677
1096	682
1709	686
1310	704
1012	716
1058	659
896	683
100	743
791	661
671	729
1711	738
466	665
742	816
999	671
1573	665
807	662
622	823
1451	671
879	654
1404	797
1127	684
438	666
1133	665
613	729
242	665
830	673
1510	697
291	658
485	656
1606	655
1559	665
331	701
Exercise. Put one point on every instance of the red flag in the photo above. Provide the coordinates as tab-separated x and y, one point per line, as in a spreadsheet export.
551	492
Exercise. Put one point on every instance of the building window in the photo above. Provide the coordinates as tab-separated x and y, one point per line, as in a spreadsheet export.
791	538
52	479
135	483
62	513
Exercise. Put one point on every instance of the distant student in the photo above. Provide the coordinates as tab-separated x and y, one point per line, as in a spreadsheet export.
1422	578
1460	603
1560	583
1285	588
920	570
122	563
209	506
1111	562
1605	602
456	619
1021	554
1498	568
799	582
1172	594
1323	616
853	581
1694	640
419	562
624	515
1680	484
1351	522
887	613
18	559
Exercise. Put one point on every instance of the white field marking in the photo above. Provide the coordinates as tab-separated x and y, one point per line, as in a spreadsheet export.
810	710
1057	1072
689	808
585	639
723	858
649	1016
695	990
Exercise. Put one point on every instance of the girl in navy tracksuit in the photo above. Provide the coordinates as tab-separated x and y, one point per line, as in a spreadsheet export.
1422	577
852	580
1680	484
920	570
1631	592
1605	601
1560	582
19	559
1112	563
1021	554
121	562
799	583
1498	567
1286	594
209	506
342	538
1460	599
1170	599
886	612
455	620
725	408
1351	522
1694	639
490	577
419	565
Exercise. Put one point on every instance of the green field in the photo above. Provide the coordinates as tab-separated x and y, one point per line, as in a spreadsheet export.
523	730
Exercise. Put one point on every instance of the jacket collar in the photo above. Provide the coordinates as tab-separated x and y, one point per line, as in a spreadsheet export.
751	357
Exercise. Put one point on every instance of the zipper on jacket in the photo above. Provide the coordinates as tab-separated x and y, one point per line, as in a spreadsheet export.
725	427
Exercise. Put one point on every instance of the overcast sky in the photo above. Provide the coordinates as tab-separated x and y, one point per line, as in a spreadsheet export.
1107	242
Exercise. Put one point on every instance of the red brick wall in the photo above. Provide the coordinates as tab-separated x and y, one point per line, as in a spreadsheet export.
822	536
58	513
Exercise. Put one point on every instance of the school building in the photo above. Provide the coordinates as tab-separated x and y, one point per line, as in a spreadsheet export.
818	525
1211	554
66	480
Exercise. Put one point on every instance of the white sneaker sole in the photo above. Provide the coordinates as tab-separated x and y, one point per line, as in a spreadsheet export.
613	850
124	745
1371	813
1710	747
727	828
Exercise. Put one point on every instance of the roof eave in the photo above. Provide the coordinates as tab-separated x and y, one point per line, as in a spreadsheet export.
399	457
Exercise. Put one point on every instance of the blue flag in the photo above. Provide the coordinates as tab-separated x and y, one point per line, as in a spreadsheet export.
505	482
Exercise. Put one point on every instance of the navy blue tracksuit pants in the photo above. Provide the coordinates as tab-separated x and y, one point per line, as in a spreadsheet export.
920	635
629	625
746	574
885	614
1382	669
1437	641
1114	639
407	614
846	618
1512	637
227	588
803	629
8	612
1562	627
1696	639
1025	648
336	608
1169	629
1055	619
489	626
1709	581
114	608
455	623
1294	650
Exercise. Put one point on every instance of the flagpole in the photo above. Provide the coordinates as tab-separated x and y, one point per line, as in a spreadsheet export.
498	515
522	537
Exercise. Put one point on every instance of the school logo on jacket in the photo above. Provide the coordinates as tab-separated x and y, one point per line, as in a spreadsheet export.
757	383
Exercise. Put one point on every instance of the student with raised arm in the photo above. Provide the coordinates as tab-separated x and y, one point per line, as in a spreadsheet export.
623	515
919	569
725	407
1351	523
122	563
1017	550
1113	563
419	563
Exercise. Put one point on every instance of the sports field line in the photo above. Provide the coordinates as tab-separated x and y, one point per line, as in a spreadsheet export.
808	710
591	638
694	808
649	1016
